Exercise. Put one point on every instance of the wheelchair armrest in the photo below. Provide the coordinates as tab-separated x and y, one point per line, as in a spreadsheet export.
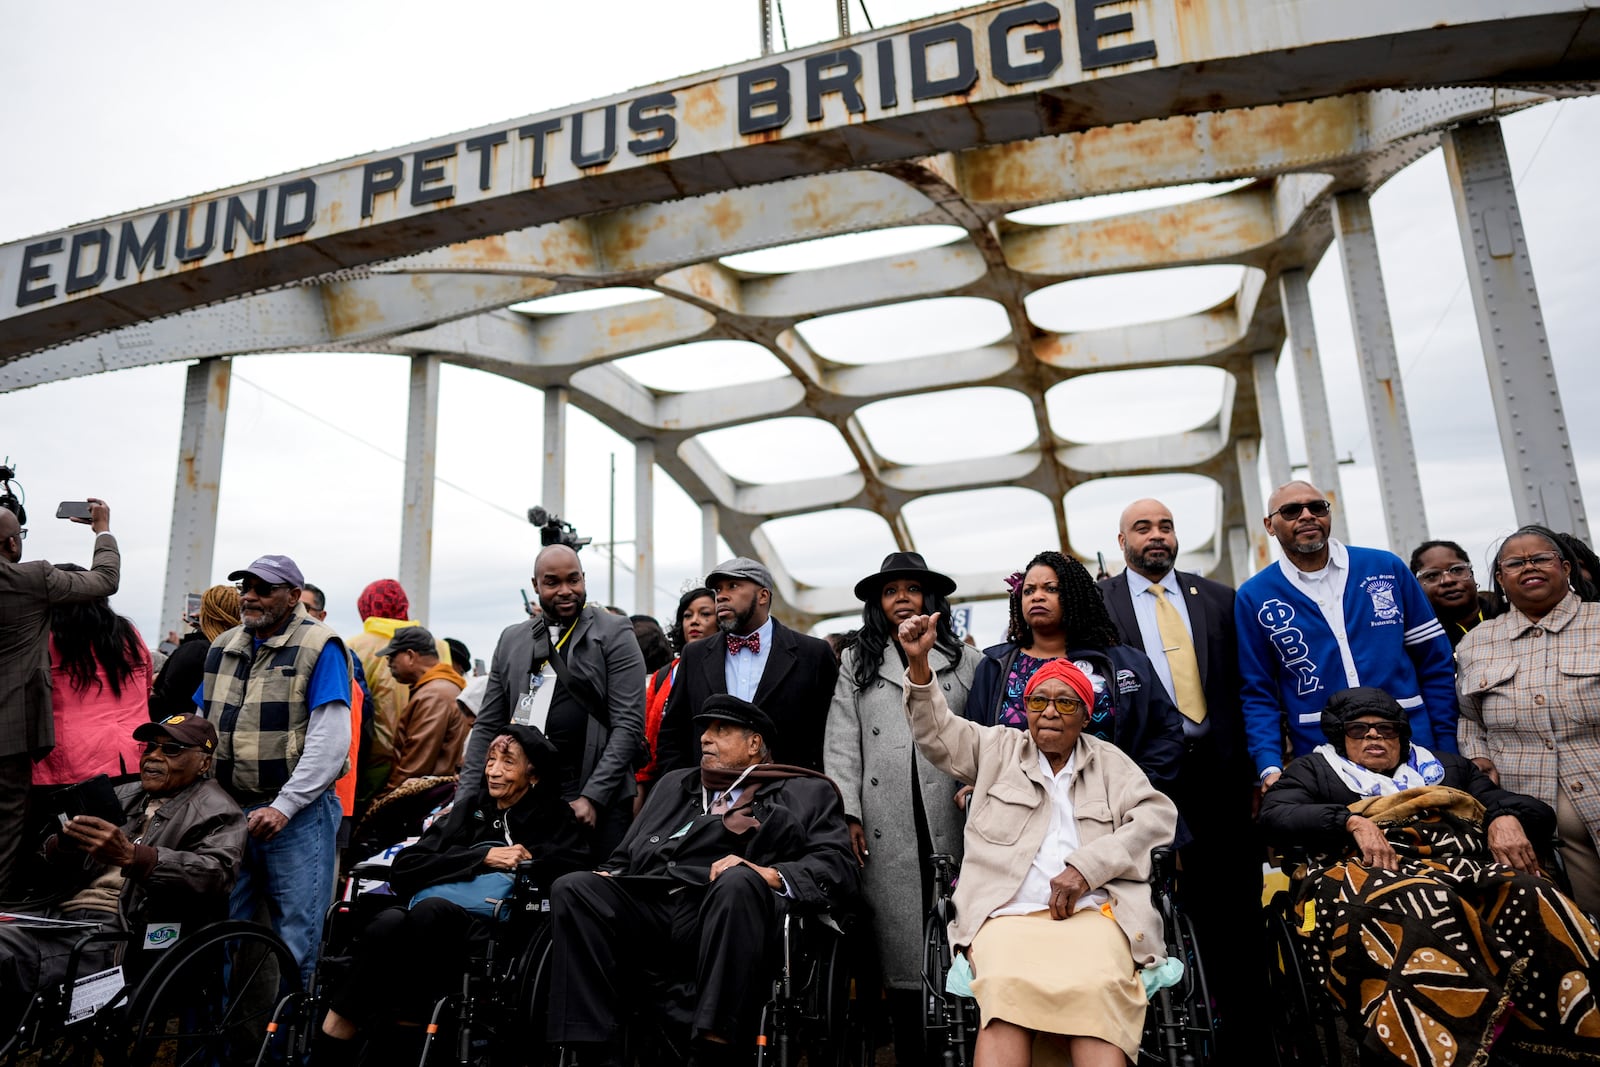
1163	864
371	872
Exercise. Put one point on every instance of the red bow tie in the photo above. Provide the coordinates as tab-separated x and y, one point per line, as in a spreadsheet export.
753	643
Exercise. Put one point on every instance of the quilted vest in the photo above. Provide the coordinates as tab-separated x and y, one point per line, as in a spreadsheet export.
256	698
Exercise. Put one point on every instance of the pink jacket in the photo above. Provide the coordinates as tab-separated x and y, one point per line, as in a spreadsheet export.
94	729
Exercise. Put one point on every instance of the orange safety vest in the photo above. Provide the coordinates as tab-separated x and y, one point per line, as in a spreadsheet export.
346	786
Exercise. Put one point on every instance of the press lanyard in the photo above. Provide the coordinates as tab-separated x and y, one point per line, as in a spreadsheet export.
566	635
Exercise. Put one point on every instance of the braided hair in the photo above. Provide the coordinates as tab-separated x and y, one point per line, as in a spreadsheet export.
1583	561
877	634
1561	548
1084	618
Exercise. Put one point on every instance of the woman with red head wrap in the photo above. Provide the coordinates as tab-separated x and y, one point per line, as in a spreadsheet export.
1053	911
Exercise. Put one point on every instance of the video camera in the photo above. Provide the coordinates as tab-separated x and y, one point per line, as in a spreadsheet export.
9	498
553	530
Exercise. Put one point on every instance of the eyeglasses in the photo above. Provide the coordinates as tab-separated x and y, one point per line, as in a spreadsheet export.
168	748
1457	571
1291	511
1388	731
1063	705
259	588
1515	564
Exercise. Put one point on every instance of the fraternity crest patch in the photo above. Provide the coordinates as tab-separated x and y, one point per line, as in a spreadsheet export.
1384	605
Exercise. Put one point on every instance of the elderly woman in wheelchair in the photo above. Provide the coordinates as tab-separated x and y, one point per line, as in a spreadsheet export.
1054	918
451	881
1423	904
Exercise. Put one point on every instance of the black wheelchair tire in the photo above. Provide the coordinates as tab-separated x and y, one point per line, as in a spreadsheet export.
168	989
938	1006
1304	1030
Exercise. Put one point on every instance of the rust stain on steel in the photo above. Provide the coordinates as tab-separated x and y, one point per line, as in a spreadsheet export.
656	315
568	248
723	216
703	108
349	314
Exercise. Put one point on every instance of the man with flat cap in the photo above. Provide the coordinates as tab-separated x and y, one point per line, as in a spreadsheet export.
281	707
431	731
690	901
162	869
756	658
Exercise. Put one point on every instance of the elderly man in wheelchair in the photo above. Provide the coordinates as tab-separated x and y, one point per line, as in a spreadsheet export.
1422	902
686	910
1054	921
162	864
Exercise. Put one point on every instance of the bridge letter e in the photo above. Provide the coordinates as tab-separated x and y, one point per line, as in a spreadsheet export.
1277	618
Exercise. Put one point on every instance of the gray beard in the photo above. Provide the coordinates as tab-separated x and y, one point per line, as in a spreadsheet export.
1310	550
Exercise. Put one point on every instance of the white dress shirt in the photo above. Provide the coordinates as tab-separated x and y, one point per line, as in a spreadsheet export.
1055	852
743	669
1326	588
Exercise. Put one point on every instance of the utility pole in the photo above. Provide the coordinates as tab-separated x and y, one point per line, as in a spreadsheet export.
611	543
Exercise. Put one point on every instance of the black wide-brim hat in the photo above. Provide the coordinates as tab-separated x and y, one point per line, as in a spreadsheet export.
904	565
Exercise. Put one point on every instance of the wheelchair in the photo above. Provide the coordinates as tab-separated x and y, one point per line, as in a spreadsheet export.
1308	1029
494	1015
199	1001
1179	1031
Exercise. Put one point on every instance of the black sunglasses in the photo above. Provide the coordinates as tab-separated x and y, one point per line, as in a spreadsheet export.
260	588
1388	731
168	748
1290	512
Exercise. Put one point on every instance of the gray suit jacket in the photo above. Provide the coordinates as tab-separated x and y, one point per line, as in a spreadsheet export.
604	656
26	592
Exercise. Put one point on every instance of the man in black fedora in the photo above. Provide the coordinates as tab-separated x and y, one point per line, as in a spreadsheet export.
756	658
689	902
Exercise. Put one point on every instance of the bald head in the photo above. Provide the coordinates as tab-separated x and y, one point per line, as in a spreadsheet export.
1295	490
558	579
10	536
1148	539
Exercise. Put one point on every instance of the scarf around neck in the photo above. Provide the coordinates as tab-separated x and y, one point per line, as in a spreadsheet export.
740	818
1420	769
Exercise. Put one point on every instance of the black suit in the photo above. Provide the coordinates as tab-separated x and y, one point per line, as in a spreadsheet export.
796	690
1221	881
706	945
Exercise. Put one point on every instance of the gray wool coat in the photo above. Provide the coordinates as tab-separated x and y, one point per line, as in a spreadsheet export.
867	750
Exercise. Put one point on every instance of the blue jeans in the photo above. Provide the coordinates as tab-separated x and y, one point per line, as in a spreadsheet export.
292	875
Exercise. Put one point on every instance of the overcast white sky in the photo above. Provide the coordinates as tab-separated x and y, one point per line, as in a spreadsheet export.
115	106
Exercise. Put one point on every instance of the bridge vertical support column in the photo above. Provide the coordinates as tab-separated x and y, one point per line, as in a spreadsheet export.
1269	407
416	520
1315	419
1399	484
553	486
644	527
708	537
193	538
1247	544
1516	349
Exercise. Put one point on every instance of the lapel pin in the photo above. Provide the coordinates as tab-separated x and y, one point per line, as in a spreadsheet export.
1193	591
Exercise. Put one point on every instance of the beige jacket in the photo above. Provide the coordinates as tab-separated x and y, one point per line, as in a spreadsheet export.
1120	816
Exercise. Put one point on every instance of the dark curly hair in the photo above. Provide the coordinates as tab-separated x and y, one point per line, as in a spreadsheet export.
90	635
1583	560
675	629
1083	611
877	634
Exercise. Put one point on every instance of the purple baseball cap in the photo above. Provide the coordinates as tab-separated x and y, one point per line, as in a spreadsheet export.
275	569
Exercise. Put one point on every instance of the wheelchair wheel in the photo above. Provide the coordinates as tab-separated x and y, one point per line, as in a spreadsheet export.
207	1000
1180	1028
530	1001
1304	1031
949	1023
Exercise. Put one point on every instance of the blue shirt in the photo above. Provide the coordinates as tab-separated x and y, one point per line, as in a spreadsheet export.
743	669
330	681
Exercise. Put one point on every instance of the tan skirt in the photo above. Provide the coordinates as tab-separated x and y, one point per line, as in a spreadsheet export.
1073	977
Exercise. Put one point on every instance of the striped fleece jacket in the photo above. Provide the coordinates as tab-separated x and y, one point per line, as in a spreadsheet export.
1290	661
256	698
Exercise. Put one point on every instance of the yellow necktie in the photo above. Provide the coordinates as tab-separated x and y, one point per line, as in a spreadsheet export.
1185	669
